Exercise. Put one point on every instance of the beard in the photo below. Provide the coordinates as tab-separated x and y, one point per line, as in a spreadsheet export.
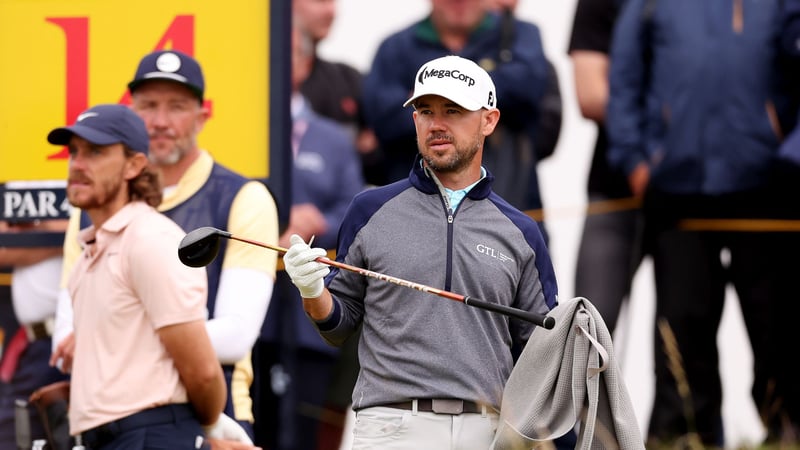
168	158
453	162
99	195
171	156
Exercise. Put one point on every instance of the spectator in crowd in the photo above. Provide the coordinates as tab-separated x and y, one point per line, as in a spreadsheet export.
694	122
326	176
334	88
611	245
167	91
509	49
548	128
437	366
144	372
785	418
24	366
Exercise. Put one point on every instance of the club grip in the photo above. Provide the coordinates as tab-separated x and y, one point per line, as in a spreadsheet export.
536	319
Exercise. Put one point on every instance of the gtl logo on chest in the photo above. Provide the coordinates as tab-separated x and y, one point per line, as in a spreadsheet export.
494	253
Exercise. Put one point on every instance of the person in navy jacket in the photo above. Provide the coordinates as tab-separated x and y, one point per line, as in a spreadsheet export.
695	118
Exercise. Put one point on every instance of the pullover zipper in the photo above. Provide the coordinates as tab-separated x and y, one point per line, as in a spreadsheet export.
449	266
448	277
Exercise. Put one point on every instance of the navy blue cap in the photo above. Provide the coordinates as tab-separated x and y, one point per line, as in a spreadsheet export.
106	125
170	65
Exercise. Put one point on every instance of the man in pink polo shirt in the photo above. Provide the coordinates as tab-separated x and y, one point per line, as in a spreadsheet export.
144	372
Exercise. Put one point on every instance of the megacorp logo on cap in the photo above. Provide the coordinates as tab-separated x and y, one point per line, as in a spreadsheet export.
442	73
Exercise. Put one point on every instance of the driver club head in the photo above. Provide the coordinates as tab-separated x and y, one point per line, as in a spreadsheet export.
199	247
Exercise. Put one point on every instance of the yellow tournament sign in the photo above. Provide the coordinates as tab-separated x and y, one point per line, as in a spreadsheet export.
60	57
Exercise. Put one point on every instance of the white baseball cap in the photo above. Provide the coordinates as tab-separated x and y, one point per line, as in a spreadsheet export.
457	79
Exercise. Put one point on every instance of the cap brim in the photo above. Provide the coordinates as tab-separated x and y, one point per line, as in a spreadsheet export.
464	103
163	76
61	136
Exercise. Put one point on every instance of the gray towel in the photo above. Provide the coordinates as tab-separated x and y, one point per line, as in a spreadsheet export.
566	375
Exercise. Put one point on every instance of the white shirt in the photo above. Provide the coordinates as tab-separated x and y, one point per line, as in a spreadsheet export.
34	290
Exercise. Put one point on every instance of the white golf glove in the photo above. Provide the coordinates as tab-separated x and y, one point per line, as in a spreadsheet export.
225	428
305	273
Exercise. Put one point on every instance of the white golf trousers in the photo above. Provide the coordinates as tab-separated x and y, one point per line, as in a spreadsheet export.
396	429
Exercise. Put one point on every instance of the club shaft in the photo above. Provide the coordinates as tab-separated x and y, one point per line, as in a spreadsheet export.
537	319
260	244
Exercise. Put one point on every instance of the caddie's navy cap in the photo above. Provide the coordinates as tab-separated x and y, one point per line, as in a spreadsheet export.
170	65
106	125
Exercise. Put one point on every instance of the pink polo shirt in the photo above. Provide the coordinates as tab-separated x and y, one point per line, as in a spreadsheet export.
128	283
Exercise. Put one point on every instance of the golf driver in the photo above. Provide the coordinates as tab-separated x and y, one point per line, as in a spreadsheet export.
199	247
